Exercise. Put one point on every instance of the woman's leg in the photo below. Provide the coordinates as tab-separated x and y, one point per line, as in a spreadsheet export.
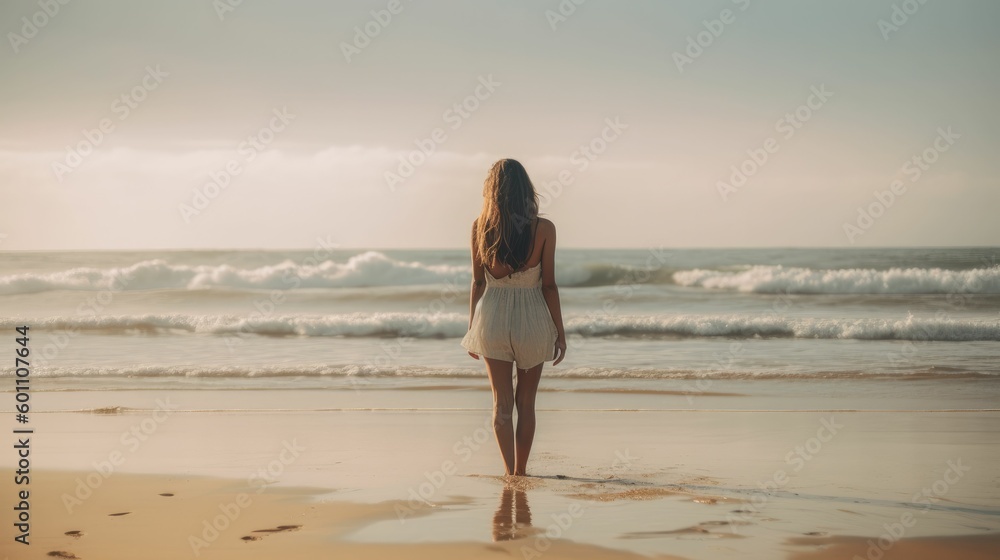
501	379
524	398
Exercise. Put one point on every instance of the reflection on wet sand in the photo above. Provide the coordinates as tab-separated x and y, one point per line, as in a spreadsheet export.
512	519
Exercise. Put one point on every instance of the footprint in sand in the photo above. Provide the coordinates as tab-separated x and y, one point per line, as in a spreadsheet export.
74	534
278	529
119	514
62	554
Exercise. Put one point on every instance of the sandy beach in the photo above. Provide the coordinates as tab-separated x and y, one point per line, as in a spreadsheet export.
163	474
276	278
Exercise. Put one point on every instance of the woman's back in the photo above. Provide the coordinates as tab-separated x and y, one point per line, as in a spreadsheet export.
500	270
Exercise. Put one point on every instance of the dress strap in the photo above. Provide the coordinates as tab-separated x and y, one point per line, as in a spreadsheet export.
534	234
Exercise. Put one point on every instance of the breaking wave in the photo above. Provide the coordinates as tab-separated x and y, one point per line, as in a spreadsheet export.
777	279
374	269
454	325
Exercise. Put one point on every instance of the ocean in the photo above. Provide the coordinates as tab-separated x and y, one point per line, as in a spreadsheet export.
394	318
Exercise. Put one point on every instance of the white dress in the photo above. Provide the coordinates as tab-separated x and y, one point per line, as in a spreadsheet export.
512	322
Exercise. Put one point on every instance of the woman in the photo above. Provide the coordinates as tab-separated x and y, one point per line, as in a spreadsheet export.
514	313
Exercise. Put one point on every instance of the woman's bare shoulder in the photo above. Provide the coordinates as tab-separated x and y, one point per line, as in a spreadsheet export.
545	231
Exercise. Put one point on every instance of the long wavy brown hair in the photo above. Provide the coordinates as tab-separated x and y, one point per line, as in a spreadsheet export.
510	205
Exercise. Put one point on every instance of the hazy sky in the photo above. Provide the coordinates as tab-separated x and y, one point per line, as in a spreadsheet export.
643	123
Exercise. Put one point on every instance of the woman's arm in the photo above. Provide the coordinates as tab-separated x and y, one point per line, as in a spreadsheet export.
478	277
549	288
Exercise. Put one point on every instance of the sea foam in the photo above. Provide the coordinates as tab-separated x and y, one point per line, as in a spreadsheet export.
454	325
366	269
778	279
376	269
